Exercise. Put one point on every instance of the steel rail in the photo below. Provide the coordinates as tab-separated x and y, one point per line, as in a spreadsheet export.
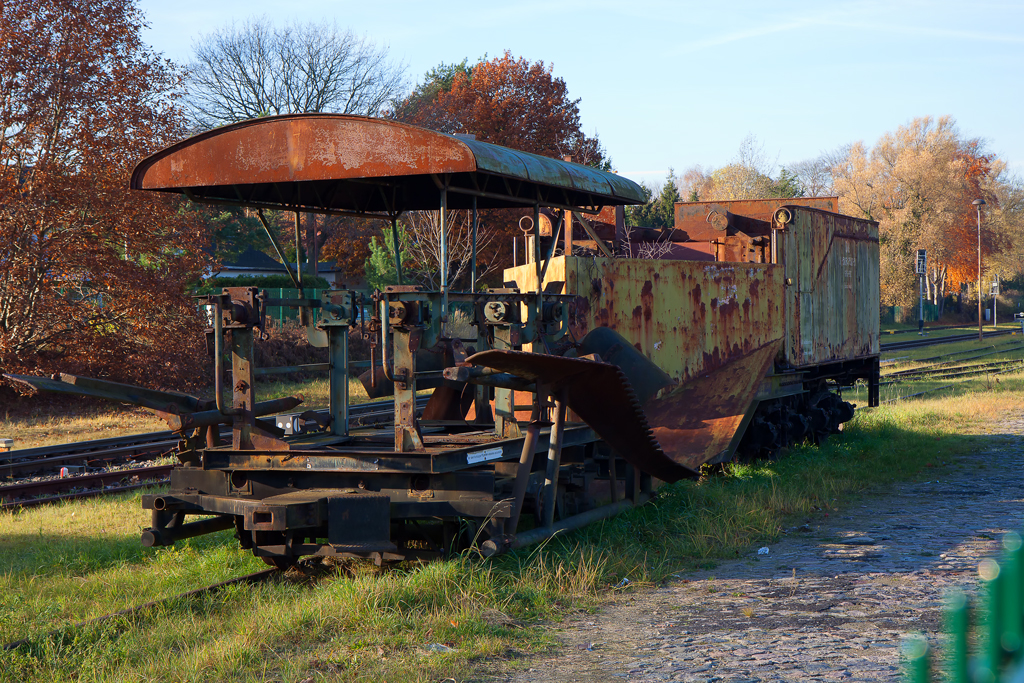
943	340
10	494
1002	368
95	447
914	330
147	442
368	414
954	371
89	493
255	577
124	453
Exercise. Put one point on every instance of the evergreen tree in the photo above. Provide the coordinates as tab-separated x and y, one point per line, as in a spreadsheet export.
658	212
380	266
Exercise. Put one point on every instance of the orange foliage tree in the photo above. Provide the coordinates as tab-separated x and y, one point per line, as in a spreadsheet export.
92	275
918	182
959	242
506	101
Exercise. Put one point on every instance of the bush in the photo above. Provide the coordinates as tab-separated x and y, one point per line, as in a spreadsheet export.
213	285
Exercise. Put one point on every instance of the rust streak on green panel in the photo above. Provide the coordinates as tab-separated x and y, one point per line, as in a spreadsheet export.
688	317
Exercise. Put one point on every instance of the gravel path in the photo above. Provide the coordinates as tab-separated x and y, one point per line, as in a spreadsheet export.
831	601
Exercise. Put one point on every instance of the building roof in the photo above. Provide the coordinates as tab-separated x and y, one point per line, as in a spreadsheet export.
254	259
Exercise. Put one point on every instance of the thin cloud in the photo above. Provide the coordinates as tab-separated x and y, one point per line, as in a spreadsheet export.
916	30
737	36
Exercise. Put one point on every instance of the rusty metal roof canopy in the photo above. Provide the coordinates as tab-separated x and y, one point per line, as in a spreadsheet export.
335	162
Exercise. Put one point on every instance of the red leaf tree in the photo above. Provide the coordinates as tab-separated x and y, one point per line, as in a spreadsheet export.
92	275
506	101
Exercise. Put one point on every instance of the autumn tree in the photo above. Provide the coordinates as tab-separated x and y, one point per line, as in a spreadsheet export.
747	176
92	275
257	69
919	182
506	101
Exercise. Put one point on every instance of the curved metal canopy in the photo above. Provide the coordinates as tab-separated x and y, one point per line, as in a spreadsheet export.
335	162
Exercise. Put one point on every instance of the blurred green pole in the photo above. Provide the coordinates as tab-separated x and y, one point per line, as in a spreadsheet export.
917	652
992	588
957	615
1010	639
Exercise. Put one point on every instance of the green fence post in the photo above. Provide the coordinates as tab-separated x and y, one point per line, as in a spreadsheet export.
957	615
991	588
917	652
1011	635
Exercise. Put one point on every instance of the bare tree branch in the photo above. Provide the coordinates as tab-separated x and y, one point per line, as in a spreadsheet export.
255	69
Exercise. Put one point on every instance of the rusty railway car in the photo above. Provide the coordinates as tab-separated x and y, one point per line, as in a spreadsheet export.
595	372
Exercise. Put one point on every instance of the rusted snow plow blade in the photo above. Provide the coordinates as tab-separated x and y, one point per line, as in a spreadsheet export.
668	436
701	420
601	395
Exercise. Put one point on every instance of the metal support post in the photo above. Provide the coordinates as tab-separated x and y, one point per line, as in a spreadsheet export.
472	262
243	396
538	269
978	203
920	317
406	341
444	256
398	248
304	313
554	459
338	345
505	424
523	475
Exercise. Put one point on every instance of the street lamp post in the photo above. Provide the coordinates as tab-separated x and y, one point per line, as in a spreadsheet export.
978	203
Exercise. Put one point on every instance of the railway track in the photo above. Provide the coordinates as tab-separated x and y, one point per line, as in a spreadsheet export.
139	447
256	577
83	486
917	343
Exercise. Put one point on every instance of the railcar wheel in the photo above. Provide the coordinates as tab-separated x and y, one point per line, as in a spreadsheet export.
282	563
262	539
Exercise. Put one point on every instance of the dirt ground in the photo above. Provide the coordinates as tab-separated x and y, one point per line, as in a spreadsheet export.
832	600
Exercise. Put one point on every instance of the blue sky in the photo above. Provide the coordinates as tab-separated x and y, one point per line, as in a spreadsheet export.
679	83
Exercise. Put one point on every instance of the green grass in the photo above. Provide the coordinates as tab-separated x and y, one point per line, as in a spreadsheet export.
66	563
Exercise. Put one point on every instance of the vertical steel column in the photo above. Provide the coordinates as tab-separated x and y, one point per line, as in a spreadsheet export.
444	254
523	476
505	424
313	252
398	248
481	394
406	342
554	459
338	345
472	263
978	203
304	316
298	247
613	478
540	285
242	392
567	246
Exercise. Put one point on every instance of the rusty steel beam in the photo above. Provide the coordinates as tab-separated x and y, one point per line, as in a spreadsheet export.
207	418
